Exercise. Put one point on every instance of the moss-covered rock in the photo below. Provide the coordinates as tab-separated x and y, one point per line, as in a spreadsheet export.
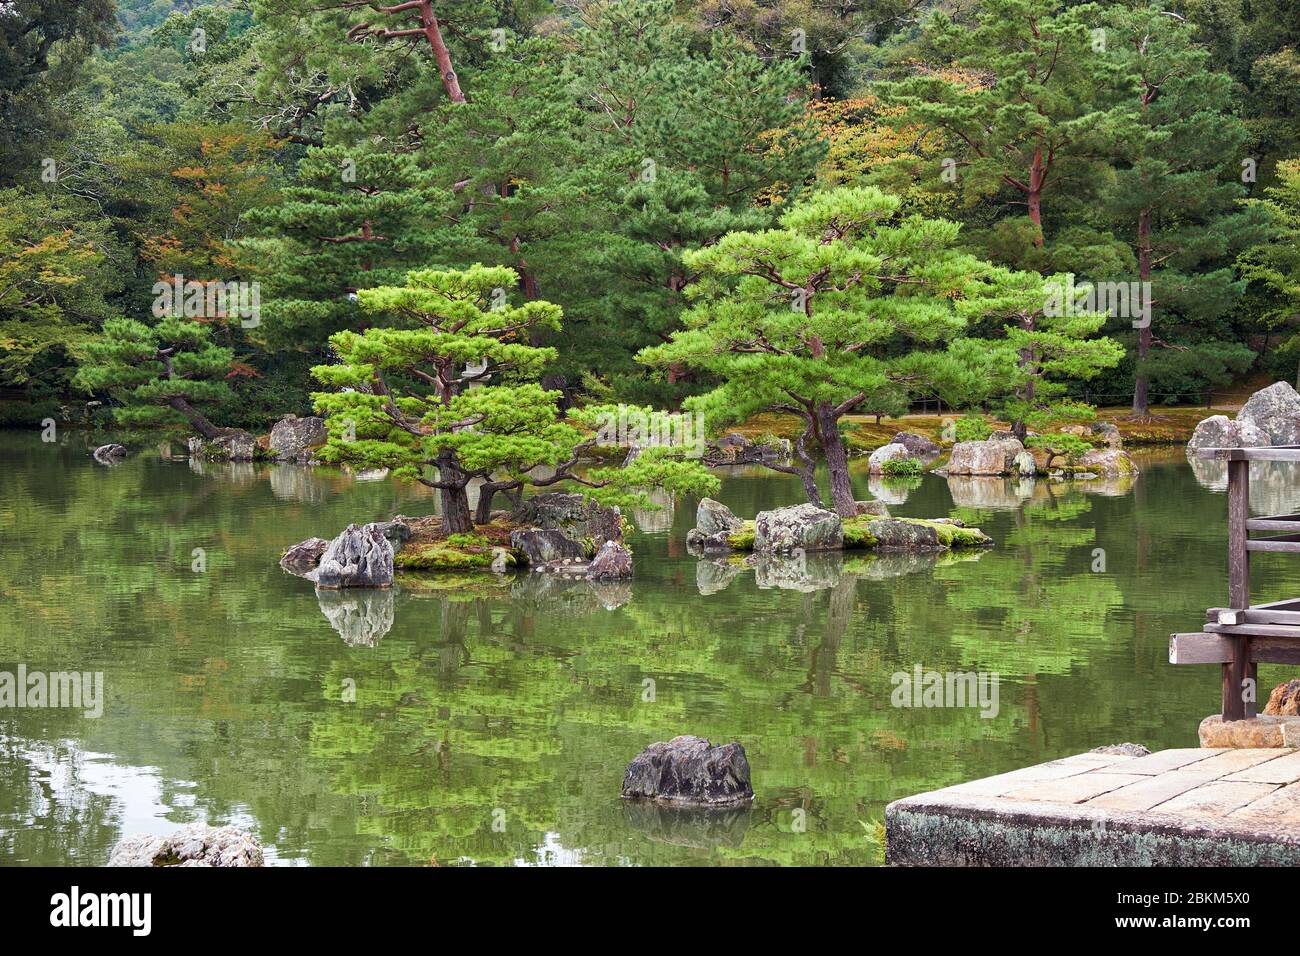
443	555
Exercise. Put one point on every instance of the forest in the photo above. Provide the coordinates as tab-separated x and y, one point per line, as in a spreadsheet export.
217	213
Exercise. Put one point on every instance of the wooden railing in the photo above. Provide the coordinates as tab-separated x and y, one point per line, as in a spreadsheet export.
1241	635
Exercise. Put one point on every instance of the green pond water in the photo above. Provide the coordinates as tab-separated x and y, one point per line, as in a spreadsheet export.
493	718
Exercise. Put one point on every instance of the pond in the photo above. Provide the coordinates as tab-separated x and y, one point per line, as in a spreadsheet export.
488	721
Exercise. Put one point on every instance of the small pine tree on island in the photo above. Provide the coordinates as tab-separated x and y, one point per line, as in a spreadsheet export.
837	311
163	375
448	397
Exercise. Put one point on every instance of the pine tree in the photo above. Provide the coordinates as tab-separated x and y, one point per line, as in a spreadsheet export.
1041	119
355	217
824	316
452	390
1177	191
1023	370
709	141
1273	268
163	375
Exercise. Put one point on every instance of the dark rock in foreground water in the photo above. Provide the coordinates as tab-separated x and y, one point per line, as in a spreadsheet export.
357	558
689	771
108	454
195	845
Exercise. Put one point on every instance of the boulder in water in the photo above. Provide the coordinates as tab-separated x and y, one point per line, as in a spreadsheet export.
690	771
294	439
357	558
803	526
195	845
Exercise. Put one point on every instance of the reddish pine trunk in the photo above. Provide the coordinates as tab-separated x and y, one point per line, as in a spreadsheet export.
1141	385
1035	197
837	461
450	82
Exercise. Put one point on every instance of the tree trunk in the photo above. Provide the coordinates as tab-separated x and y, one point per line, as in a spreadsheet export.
486	495
1034	199
1141	385
456	518
837	461
450	82
196	418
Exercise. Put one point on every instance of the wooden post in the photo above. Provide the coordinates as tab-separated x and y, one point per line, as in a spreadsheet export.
1240	669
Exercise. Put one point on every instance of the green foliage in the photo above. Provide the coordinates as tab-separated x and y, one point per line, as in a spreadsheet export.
901	468
834	311
416	398
1059	445
162	375
972	428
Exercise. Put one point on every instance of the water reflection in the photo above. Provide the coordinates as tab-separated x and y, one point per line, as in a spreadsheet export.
1274	485
362	616
689	826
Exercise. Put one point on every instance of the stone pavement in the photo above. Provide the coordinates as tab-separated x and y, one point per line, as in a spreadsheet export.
1193	807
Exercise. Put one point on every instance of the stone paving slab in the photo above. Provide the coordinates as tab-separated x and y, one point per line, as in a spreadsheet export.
1185	807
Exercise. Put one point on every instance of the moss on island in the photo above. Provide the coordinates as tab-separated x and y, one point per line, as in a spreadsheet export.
859	537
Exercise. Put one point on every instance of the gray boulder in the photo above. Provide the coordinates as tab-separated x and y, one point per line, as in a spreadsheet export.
397	532
304	556
878	508
918	446
109	454
357	558
1024	465
545	546
997	456
801	526
195	845
1276	412
713	516
294	438
890	452
689	771
233	445
1220	431
1106	463
894	535
573	514
612	562
1107	432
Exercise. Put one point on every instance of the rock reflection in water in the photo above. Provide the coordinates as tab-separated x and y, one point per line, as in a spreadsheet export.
800	571
994	494
655	520
817	571
1274	485
555	592
890	491
297	483
361	616
689	826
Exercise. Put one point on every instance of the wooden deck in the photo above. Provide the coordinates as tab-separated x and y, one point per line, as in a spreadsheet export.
1194	807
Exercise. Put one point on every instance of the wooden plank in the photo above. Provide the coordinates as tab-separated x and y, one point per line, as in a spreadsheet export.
1285	543
1207	648
1238	556
1284	631
1275	453
1199	648
1258	614
1273	523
